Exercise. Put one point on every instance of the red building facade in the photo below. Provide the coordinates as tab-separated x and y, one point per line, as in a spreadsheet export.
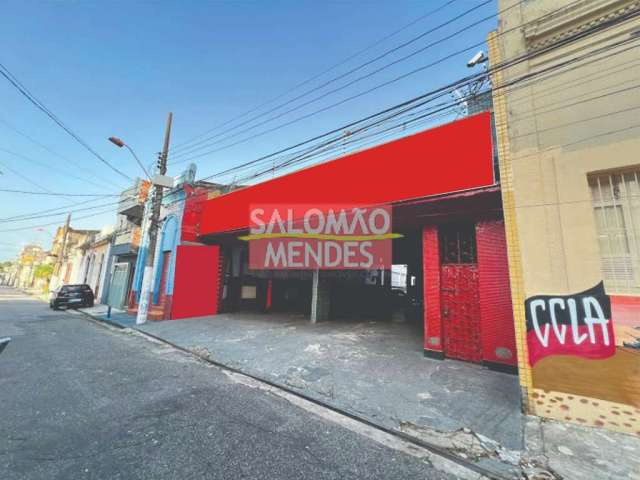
441	187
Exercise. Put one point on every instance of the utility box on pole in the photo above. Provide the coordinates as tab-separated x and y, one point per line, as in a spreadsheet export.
158	180
162	181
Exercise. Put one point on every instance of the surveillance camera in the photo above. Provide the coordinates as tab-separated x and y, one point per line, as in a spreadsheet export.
479	57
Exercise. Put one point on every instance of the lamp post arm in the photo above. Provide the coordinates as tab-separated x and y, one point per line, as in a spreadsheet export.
138	160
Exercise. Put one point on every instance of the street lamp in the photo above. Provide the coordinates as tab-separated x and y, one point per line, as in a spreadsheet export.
119	143
147	229
151	218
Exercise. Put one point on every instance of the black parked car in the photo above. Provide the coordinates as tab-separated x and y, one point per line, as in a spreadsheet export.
71	296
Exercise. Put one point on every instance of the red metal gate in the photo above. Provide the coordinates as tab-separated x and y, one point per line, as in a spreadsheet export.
459	293
197	280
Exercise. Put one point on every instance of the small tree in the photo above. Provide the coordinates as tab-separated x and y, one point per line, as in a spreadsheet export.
44	272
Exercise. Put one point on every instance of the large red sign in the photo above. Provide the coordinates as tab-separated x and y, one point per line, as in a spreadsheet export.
326	237
450	158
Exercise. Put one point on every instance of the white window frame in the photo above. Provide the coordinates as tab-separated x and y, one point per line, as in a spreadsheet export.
621	262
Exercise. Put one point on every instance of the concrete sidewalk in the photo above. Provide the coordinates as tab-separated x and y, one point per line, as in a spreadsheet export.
117	317
373	368
376	371
574	452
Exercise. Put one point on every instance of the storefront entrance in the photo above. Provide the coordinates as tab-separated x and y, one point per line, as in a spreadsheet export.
459	293
467	314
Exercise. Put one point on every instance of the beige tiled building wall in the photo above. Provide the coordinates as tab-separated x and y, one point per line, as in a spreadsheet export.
569	146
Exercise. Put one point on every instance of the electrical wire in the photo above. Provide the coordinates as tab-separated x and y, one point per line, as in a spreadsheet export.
578	35
302	159
573	104
353	70
27	179
65	212
316	76
64	209
59	194
344	86
409	106
545	71
512	5
348	84
102	184
46	166
584	80
11	78
582	120
31	227
48	210
493	69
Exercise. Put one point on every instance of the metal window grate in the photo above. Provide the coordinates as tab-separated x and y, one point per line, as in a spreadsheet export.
616	208
458	243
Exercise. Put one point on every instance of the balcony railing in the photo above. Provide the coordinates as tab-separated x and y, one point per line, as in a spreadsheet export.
132	201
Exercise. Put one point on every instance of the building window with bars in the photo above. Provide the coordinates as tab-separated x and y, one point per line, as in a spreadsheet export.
616	208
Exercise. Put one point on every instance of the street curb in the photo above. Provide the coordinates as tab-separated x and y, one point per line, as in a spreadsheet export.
112	323
103	320
489	474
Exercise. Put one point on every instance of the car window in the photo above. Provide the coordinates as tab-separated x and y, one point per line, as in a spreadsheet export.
72	288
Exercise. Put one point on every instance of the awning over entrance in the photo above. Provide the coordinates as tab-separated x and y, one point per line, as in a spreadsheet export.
450	158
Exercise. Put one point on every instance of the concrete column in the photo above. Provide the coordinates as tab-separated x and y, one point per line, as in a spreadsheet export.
320	299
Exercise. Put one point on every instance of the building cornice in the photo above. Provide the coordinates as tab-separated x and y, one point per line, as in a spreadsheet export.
574	19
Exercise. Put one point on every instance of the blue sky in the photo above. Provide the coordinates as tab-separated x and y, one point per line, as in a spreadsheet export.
117	68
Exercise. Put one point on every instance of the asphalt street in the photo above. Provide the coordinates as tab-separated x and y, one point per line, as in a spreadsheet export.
82	401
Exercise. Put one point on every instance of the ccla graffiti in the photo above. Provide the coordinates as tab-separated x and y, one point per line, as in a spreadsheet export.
578	324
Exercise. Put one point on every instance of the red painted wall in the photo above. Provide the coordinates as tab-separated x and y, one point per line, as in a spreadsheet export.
624	310
496	314
196	283
192	215
449	158
431	282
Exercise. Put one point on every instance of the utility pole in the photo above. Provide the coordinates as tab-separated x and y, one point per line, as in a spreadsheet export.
147	278
62	248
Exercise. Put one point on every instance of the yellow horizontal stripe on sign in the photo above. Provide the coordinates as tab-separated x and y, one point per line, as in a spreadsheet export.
322	236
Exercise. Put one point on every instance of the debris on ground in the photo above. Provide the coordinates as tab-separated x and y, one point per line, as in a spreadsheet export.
472	446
